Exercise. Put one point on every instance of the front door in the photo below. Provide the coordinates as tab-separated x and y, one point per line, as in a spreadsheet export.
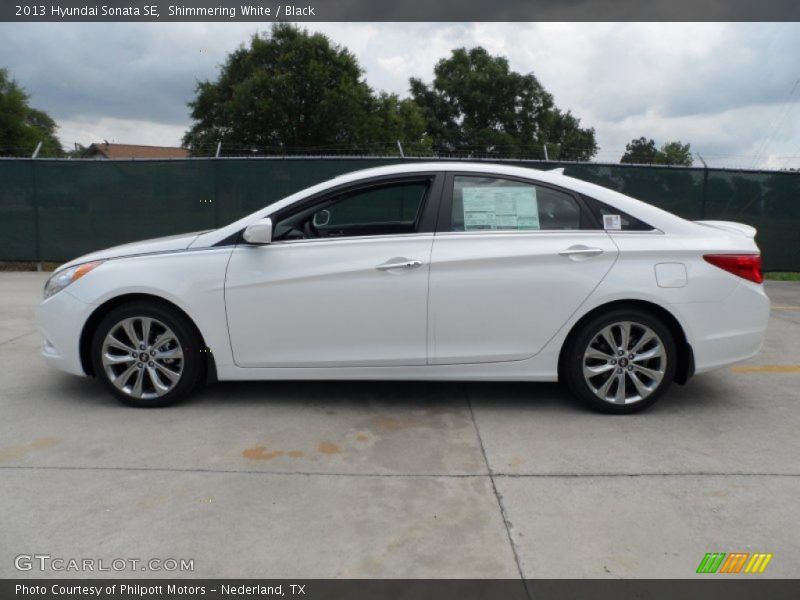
344	283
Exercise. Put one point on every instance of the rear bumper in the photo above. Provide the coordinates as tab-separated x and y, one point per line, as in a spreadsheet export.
60	320
726	332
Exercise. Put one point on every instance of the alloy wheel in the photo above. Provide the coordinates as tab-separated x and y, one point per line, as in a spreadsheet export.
624	362
142	357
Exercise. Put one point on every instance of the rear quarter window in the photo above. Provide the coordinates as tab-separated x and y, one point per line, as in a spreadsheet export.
628	222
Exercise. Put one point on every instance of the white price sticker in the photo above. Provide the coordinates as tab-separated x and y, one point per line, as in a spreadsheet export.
492	208
612	222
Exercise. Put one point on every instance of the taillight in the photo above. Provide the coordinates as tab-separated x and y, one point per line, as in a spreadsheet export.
747	266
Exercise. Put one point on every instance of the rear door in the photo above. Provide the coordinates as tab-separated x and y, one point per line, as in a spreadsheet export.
512	260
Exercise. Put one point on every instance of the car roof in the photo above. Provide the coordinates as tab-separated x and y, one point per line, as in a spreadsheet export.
554	176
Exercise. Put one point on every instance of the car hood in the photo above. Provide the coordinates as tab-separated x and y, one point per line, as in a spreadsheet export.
169	243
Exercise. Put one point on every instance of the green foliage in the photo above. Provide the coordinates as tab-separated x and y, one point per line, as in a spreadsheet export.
79	151
644	152
401	119
477	104
292	89
782	276
640	152
23	127
675	153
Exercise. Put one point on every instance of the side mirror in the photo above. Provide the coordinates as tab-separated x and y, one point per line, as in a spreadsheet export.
322	218
259	232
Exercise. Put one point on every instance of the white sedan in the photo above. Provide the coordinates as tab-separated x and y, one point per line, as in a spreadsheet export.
426	271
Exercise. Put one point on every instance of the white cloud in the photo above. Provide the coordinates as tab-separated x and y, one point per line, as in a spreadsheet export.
720	86
120	131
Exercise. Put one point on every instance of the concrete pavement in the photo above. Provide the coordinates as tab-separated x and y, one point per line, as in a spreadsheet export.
399	479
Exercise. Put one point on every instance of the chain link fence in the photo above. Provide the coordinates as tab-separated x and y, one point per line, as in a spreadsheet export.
55	210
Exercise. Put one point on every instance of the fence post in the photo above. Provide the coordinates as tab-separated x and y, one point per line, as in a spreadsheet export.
215	200
704	196
36	226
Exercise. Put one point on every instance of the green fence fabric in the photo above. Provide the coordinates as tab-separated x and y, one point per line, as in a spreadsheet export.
55	210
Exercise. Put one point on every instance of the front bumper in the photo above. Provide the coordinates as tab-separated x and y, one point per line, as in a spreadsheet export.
60	320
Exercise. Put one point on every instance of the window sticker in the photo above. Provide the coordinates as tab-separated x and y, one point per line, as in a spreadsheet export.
612	222
491	208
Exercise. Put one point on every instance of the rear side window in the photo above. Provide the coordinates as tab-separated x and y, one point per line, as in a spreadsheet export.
496	204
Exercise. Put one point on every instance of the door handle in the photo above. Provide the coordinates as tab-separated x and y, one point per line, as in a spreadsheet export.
581	251
402	263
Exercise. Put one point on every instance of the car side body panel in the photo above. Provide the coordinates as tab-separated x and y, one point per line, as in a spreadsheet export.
191	280
501	296
330	302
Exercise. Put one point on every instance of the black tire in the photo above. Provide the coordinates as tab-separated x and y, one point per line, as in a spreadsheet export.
573	361
186	338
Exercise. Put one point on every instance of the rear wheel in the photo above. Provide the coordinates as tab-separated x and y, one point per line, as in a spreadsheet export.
147	354
622	361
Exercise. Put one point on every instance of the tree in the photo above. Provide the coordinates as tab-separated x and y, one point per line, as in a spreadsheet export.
402	120
675	153
78	151
477	104
21	126
641	151
644	152
291	89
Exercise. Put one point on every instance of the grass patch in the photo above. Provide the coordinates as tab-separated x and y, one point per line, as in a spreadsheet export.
782	276
18	266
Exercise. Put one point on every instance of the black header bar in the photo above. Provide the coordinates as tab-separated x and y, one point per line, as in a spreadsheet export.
265	11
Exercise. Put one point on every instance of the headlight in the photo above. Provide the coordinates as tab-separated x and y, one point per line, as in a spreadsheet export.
61	279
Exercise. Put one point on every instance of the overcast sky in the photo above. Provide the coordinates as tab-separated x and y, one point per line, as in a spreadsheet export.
732	90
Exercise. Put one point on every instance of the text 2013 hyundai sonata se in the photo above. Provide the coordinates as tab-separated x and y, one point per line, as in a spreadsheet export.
442	271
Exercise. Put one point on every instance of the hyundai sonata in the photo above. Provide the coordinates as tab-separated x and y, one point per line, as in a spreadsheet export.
427	271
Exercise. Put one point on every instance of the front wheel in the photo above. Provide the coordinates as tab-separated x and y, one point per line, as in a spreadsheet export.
622	361
147	354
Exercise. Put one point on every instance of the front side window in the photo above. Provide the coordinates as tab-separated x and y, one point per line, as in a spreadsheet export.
496	204
381	210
